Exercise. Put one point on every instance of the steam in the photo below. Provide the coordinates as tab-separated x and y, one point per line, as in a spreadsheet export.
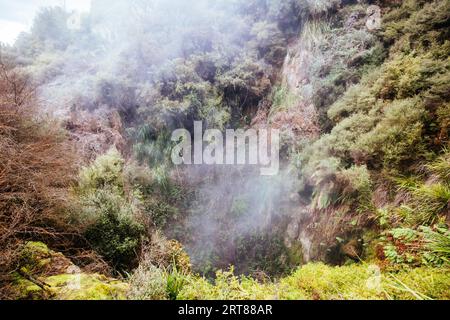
134	42
231	204
116	58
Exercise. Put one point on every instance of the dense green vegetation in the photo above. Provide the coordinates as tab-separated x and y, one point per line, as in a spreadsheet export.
360	209
389	131
317	281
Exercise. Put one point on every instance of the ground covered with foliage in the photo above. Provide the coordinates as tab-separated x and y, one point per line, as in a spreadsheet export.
91	206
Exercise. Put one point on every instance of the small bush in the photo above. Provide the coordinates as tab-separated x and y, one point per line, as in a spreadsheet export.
108	214
166	254
148	282
398	137
104	173
356	184
407	76
323	180
427	246
115	232
438	242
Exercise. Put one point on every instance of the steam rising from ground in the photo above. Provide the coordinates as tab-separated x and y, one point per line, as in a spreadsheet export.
122	56
132	43
236	215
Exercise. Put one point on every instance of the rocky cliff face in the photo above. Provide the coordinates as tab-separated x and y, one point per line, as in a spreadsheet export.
324	42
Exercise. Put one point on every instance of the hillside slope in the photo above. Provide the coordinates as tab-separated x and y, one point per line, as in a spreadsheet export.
358	89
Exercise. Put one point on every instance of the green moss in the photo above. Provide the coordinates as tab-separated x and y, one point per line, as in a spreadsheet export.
295	254
319	281
72	287
370	244
420	283
26	290
226	286
43	275
37	248
86	287
35	256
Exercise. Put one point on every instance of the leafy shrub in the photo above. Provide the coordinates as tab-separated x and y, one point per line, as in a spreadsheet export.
110	216
149	282
50	25
342	55
162	268
264	252
380	123
398	137
160	213
115	232
270	42
104	173
325	193
356	184
407	76
422	246
240	87
438	242
159	194
358	98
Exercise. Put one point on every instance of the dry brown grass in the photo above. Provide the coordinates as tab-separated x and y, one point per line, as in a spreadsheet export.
38	164
36	167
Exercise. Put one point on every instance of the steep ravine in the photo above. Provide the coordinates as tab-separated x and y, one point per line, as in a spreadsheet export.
360	208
